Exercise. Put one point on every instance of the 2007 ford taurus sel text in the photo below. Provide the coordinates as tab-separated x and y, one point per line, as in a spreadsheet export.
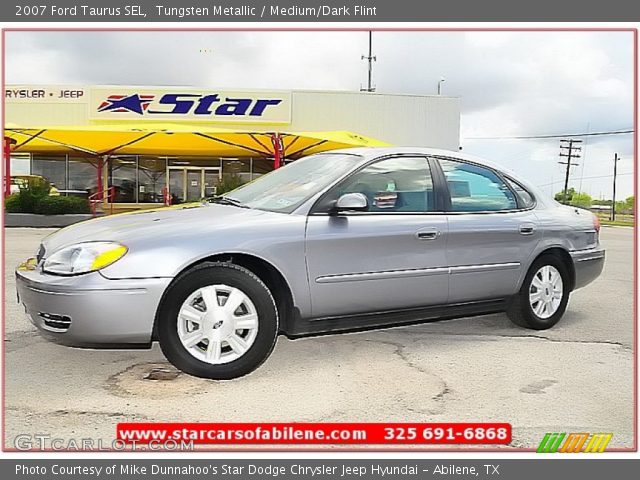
335	241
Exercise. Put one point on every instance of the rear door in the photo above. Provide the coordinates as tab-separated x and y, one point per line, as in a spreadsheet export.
390	257
493	231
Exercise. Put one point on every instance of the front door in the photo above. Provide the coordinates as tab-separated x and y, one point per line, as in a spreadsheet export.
191	184
391	257
194	185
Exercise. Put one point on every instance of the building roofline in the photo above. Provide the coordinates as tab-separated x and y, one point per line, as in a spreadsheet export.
195	87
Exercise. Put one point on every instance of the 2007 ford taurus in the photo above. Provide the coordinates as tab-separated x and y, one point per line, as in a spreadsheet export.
335	241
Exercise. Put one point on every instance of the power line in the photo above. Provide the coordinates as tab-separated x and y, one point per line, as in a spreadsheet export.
566	135
585	178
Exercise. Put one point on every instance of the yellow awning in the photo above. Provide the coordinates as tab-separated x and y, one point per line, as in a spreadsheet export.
172	140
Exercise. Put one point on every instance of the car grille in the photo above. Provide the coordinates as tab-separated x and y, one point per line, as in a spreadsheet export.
55	321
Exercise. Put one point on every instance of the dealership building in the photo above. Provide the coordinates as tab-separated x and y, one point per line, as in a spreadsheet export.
246	129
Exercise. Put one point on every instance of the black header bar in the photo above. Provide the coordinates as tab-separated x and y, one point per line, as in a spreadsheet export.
319	11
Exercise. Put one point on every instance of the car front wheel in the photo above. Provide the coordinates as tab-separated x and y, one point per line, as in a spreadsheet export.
544	295
218	321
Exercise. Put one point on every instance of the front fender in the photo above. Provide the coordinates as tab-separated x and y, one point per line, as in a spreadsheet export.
280	244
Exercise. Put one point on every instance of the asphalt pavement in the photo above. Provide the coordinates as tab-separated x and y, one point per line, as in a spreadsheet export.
576	377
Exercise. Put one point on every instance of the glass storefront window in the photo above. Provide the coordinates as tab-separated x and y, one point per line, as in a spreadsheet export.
261	166
83	176
122	176
20	164
51	167
193	162
152	178
240	167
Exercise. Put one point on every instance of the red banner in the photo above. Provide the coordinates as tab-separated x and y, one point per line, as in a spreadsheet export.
316	433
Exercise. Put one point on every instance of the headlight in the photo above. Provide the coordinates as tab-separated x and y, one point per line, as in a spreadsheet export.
84	258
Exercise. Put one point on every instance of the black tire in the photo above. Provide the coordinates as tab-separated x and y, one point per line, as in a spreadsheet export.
521	312
213	273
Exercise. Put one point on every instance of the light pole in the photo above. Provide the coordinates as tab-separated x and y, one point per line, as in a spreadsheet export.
440	82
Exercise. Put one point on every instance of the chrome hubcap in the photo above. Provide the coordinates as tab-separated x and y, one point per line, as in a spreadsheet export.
545	292
217	324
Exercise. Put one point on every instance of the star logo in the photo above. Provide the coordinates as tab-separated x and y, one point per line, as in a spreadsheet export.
135	103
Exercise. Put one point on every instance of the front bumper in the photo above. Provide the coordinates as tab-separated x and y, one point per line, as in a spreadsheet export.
587	265
90	310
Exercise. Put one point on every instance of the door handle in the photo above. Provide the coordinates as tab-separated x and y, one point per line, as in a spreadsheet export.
527	229
427	234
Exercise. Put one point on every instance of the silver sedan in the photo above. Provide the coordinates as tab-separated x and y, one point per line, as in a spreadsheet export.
336	241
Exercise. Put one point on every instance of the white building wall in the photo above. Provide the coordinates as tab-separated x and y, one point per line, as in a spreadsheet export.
409	120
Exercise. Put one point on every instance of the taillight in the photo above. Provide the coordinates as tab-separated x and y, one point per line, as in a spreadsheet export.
596	223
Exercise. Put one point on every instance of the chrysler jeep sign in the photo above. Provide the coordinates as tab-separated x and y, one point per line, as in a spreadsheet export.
192	105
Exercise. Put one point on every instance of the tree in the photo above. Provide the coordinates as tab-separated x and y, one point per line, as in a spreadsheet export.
570	193
582	200
630	202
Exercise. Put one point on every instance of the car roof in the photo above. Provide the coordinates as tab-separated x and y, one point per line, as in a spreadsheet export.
373	152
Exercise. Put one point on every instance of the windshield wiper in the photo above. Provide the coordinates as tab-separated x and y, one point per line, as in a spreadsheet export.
221	199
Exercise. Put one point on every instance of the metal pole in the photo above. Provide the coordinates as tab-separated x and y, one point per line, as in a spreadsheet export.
278	150
566	177
615	173
99	186
370	56
7	165
570	155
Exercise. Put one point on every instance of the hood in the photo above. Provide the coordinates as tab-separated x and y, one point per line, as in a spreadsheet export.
128	228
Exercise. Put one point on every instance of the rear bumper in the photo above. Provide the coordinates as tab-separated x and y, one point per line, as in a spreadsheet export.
587	265
91	310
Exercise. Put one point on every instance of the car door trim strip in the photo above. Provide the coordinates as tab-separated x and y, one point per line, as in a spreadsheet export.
355	277
415	272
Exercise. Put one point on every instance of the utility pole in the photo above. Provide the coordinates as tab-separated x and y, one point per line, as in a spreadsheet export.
568	147
615	173
370	58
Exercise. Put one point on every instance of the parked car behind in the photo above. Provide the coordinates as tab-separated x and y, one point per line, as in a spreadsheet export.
335	241
22	181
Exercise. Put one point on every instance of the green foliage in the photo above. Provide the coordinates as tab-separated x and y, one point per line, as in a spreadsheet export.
13	204
32	189
35	186
576	199
34	198
582	200
560	195
625	205
61	205
229	181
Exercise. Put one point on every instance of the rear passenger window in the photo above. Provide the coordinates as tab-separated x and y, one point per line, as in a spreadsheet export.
400	184
476	189
526	199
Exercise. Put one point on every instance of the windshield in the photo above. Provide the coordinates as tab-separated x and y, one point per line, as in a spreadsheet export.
286	188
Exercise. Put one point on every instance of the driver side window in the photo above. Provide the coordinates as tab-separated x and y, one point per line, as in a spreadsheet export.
399	184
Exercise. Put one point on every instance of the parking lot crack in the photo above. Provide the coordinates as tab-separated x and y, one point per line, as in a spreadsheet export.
540	337
441	397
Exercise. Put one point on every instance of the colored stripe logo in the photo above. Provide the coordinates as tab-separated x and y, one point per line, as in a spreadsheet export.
575	442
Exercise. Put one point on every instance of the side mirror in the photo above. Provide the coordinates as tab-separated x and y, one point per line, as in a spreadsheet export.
353	202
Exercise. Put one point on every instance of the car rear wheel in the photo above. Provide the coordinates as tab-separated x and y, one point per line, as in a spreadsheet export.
544	295
218	321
